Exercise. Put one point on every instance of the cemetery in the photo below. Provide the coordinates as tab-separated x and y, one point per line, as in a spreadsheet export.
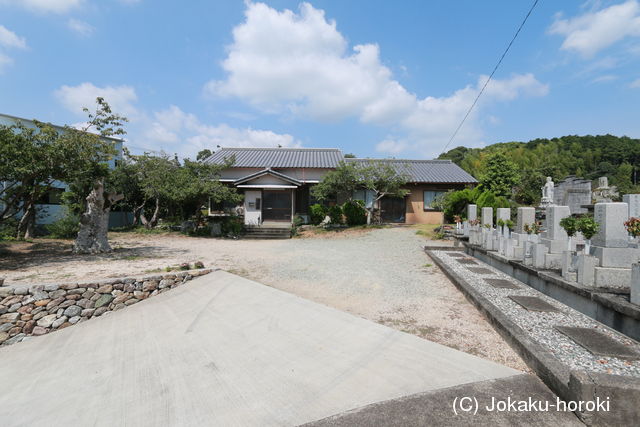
562	284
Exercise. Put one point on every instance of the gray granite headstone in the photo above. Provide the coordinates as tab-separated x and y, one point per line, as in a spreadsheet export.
552	222
503	214
573	192
611	217
501	283
598	343
472	212
633	200
487	216
533	303
525	215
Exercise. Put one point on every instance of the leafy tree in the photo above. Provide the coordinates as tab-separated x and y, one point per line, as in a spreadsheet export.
378	177
203	154
500	175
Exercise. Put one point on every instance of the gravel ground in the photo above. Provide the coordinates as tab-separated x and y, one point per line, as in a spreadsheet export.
382	275
540	325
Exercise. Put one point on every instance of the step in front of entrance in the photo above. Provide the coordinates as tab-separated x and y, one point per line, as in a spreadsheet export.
267	233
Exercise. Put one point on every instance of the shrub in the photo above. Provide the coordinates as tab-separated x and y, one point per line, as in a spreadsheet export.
198	264
64	228
232	226
355	212
570	225
335	213
588	227
318	212
184	266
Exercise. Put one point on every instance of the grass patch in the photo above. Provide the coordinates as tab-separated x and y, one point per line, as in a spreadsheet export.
427	230
131	257
428	265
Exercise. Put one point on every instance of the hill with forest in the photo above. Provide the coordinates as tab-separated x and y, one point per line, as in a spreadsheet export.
590	157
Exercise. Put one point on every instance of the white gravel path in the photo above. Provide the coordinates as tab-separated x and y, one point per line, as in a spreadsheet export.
540	325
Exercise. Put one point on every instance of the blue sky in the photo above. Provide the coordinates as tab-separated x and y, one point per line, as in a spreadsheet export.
374	78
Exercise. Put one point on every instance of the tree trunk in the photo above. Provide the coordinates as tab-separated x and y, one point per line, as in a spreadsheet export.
138	214
94	222
27	222
154	219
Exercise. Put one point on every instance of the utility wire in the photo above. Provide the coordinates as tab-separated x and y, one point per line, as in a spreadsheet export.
491	75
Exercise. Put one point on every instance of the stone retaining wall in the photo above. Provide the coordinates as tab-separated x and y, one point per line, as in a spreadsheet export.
40	309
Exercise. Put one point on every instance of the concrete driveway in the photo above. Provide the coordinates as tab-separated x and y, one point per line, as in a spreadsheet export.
222	350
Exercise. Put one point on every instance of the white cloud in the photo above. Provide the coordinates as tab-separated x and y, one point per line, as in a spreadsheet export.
635	84
593	31
299	63
10	39
120	98
174	127
605	78
4	61
80	27
56	6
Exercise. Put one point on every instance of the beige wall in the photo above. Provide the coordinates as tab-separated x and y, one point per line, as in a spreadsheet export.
415	203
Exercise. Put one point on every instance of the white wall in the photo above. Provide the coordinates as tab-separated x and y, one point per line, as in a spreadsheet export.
251	212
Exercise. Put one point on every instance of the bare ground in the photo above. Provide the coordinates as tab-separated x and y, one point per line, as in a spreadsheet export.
382	275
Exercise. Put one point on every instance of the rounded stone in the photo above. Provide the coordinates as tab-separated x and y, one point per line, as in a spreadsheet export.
58	322
38	330
47	321
72	311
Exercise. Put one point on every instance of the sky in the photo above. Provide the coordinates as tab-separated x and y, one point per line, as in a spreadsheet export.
373	78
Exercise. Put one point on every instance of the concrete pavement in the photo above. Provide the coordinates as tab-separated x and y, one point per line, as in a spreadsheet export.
222	350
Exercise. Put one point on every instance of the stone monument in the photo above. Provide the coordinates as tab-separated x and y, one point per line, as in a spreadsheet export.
487	216
604	193
472	212
547	193
573	192
526	215
633	200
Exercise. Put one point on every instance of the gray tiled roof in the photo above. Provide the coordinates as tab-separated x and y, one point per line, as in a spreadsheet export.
427	171
279	157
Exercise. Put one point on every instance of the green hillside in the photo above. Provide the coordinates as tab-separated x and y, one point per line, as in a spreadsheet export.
587	156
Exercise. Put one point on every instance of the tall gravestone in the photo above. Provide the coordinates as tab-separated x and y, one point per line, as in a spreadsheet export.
552	222
487	216
526	215
503	214
611	217
633	200
472	212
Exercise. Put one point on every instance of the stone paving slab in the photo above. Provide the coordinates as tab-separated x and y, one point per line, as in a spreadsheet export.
533	303
466	261
598	343
480	270
502	284
222	351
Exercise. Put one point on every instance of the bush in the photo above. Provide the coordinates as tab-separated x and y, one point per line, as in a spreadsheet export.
587	226
232	226
335	213
318	212
9	229
64	228
355	212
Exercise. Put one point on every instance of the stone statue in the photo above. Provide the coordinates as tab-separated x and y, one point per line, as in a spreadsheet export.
603	182
547	193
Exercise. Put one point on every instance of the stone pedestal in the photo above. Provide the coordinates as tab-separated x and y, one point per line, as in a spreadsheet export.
586	269
538	253
552	222
472	212
569	261
555	246
553	261
611	217
487	216
525	215
635	284
616	257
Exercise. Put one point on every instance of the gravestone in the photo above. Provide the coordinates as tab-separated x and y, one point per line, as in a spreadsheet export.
487	216
503	214
573	192
526	215
552	222
611	217
633	200
586	269
472	212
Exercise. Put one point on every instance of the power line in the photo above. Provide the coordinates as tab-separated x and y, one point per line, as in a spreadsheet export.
491	75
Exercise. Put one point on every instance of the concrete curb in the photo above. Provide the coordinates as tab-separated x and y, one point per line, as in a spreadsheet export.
571	385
